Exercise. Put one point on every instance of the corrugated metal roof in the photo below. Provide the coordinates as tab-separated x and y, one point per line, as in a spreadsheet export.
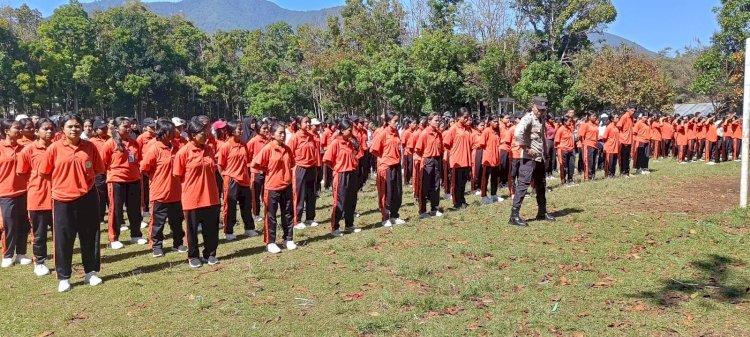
693	108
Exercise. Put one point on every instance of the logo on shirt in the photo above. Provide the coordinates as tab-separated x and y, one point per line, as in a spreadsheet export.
88	164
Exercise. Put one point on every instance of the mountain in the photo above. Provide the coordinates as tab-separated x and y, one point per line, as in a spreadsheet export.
215	15
606	39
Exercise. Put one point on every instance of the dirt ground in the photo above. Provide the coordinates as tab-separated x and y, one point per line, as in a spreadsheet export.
695	197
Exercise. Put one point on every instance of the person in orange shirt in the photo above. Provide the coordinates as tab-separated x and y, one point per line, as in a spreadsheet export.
515	155
565	146
690	126
458	141
416	183
625	125
28	130
701	131
277	161
341	156
429	148
588	133
386	146
366	159
445	125
681	140
306	151
505	154
655	137
612	146
143	140
477	127
712	141
195	167
13	203
325	139
157	164
489	143
233	160
667	137
737	139
408	158
39	198
120	155
257	177
99	137
726	141
642	133
71	165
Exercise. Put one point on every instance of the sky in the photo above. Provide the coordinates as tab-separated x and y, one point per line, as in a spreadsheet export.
654	24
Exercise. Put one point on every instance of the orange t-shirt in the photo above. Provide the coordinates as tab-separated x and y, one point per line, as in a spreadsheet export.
506	136
122	166
405	138
737	134
306	149
11	184
667	131
642	132
341	155
611	139
253	148
588	133
157	164
458	141
39	197
429	143
564	140
625	124
387	147
233	160
711	134
489	142
680	135
197	169
277	161
72	168
701	131
144	140
23	141
655	133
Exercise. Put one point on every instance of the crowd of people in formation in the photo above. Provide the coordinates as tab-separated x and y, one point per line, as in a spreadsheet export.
67	175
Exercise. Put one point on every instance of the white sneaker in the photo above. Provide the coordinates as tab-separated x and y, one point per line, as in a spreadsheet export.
229	237
352	230
477	192
356	215
41	269
497	198
646	172
251	233
438	214
181	249
63	286
143	224
290	245
258	219
116	245
312	223
387	223
710	163
300	226
337	233
398	221
23	259
92	279
273	248
140	241
124	228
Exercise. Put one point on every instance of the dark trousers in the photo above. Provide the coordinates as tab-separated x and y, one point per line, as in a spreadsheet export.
701	146
490	175
727	148
102	192
408	165
567	161
527	171
600	156
234	193
666	147
610	164
41	222
126	195
504	167
219	184
625	150
590	157
72	219
447	174
551	154
712	151
459	177
207	218
146	202
692	144
581	160
318	179
345	188
160	214
641	157
258	180
364	166
476	173
15	225
432	168
327	177
304	193
278	200
390	192
515	163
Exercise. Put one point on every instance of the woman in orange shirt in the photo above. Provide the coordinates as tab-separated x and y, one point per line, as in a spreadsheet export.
276	160
429	148
712	141
15	221
257	178
642	135
341	156
387	147
565	146
99	138
489	143
306	150
458	142
408	158
72	164
611	146
39	199
233	160
121	158
157	165
28	130
195	166
416	183
588	133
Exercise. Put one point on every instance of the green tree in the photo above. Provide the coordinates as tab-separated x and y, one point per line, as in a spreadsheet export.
544	78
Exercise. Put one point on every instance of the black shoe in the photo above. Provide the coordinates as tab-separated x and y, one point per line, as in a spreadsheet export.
515	218
158	252
544	216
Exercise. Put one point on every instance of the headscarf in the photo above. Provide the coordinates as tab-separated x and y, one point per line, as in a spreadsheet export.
247	132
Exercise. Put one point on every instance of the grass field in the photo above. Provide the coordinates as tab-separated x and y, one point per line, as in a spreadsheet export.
661	255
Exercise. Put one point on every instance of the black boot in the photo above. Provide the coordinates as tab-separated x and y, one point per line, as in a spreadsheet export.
515	218
543	215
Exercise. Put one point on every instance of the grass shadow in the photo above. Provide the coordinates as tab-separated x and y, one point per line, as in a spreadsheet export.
713	276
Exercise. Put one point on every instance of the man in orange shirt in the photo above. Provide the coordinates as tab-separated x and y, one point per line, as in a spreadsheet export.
429	147
408	158
712	141
655	145
588	133
489	143
386	145
701	129
667	137
306	151
458	141
506	136
611	139
681	140
641	137
565	145
625	125
737	138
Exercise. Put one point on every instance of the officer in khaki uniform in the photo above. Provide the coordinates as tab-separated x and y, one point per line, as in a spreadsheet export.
530	137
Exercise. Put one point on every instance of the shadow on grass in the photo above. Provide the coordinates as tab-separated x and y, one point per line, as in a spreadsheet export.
713	276
566	211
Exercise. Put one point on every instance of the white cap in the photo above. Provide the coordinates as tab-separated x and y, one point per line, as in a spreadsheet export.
314	121
21	116
178	121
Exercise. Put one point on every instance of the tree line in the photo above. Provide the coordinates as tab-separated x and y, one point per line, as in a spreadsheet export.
378	55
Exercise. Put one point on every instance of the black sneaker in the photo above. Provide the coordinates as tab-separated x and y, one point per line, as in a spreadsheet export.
195	262
158	252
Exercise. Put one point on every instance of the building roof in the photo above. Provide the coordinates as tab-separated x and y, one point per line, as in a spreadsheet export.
693	108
